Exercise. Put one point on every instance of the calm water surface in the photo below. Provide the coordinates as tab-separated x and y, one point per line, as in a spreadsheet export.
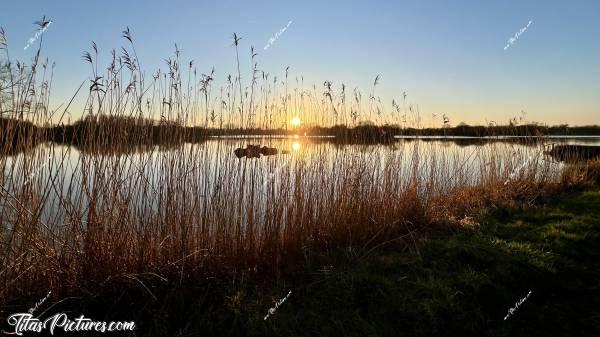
66	178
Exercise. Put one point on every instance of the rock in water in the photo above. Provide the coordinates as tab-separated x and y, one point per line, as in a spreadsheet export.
239	152
268	151
255	151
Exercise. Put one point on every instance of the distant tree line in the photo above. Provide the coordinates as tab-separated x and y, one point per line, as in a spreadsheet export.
107	131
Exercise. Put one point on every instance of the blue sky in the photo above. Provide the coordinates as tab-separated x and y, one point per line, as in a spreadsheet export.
447	55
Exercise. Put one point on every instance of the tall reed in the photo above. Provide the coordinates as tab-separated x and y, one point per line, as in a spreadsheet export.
82	217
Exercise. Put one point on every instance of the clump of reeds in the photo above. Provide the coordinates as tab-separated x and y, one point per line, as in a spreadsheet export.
89	218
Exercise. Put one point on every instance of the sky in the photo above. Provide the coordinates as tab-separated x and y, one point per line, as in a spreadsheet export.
448	56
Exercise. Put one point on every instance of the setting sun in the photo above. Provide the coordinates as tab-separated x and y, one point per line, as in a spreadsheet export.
296	121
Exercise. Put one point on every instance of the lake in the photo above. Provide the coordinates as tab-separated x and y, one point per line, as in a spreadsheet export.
62	180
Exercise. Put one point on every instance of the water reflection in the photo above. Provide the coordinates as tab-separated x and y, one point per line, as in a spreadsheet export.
208	174
123	149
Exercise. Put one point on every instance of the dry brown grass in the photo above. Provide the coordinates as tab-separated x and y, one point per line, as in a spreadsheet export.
86	220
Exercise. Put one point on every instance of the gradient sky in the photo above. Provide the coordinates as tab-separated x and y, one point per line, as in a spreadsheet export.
447	55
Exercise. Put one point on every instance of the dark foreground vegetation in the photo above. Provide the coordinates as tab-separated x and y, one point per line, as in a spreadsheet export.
461	283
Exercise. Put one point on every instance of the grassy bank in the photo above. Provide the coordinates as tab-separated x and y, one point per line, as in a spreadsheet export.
464	285
461	283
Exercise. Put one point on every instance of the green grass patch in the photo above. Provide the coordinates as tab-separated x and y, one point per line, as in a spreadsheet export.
464	285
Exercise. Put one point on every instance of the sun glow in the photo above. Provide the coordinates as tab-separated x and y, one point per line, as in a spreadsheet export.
295	146
296	121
